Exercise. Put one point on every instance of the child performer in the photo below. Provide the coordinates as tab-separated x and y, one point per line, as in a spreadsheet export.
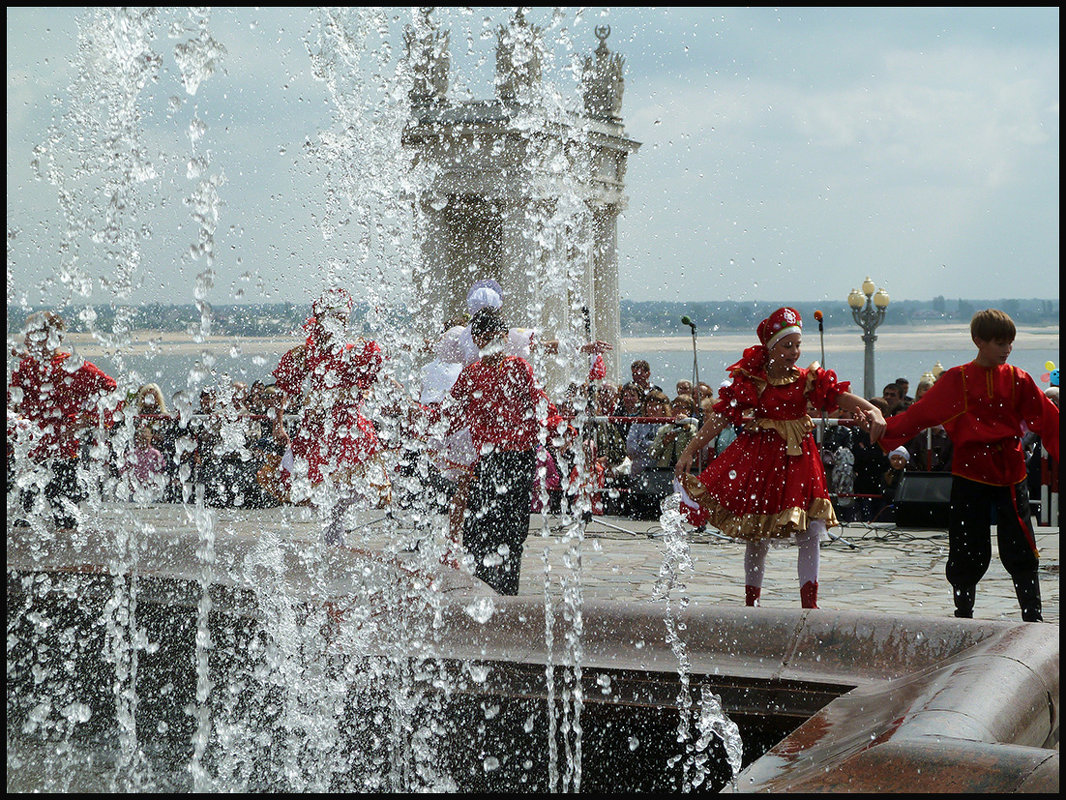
53	402
769	484
333	439
497	399
982	406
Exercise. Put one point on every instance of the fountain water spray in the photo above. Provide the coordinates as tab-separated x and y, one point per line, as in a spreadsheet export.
710	717
312	668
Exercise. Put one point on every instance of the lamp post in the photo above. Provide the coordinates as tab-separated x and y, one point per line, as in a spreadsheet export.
868	310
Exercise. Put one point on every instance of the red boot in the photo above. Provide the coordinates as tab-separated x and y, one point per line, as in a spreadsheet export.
751	595
809	594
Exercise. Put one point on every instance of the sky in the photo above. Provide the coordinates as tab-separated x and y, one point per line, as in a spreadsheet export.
786	154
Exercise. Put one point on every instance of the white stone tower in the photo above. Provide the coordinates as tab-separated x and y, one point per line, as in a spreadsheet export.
503	175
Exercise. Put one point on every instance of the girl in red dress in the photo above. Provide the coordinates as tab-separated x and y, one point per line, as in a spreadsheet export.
333	439
769	484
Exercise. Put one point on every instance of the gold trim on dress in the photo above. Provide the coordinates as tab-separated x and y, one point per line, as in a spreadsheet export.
754	527
812	371
792	431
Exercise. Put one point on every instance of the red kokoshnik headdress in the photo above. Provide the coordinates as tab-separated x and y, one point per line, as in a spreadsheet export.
771	330
778	325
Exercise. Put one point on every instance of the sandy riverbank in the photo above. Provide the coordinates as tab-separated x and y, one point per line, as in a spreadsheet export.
889	337
145	342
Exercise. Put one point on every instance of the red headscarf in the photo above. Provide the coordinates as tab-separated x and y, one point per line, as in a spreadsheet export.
779	324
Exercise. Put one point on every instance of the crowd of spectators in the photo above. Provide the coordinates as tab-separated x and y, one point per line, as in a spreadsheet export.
228	442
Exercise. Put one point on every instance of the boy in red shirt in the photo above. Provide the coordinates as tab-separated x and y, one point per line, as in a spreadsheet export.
55	404
497	398
982	406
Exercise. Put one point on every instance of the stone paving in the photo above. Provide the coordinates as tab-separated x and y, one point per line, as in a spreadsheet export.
870	567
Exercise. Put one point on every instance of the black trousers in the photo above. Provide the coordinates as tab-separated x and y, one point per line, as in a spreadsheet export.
497	517
63	484
973	507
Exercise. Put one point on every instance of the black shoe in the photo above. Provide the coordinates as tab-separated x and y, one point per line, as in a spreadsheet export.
1027	588
964	599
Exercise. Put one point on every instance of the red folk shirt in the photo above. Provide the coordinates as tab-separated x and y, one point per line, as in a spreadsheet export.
332	429
348	366
57	399
982	409
497	398
291	371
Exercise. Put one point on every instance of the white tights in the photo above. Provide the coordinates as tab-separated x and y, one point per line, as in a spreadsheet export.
334	532
806	565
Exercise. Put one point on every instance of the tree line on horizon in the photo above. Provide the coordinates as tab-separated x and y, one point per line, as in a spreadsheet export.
638	317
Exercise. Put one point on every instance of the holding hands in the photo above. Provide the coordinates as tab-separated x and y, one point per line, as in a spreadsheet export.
598	347
872	421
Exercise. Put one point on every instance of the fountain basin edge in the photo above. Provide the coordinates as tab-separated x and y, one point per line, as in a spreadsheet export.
865	701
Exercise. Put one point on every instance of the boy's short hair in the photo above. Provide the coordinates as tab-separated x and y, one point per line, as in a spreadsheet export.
992	325
44	321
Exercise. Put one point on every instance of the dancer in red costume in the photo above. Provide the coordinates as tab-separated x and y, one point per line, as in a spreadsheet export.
983	406
52	404
769	484
333	439
497	399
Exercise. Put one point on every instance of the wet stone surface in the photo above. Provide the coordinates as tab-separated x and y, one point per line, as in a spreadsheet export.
890	570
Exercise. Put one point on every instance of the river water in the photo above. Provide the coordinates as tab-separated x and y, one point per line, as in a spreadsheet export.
249	360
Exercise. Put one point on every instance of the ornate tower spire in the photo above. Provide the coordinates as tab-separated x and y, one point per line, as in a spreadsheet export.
518	58
427	53
603	80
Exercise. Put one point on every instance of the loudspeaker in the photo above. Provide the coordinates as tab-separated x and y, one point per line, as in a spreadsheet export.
923	500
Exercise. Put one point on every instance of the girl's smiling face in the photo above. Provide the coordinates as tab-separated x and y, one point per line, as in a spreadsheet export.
785	352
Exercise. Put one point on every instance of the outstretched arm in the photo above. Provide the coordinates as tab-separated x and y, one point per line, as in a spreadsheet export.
280	434
713	426
869	416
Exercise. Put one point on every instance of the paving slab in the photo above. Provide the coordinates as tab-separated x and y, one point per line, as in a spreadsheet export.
870	567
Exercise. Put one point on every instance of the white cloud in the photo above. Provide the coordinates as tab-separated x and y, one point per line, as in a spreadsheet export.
774	141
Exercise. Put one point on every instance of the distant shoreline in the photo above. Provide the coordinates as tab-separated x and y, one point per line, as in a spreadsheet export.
950	336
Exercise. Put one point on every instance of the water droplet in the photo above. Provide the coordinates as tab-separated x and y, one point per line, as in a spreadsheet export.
478	672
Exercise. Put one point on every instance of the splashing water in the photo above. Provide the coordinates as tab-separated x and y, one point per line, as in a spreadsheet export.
710	719
343	653
713	721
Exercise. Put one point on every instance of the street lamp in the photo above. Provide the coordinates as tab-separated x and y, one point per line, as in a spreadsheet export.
868	311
